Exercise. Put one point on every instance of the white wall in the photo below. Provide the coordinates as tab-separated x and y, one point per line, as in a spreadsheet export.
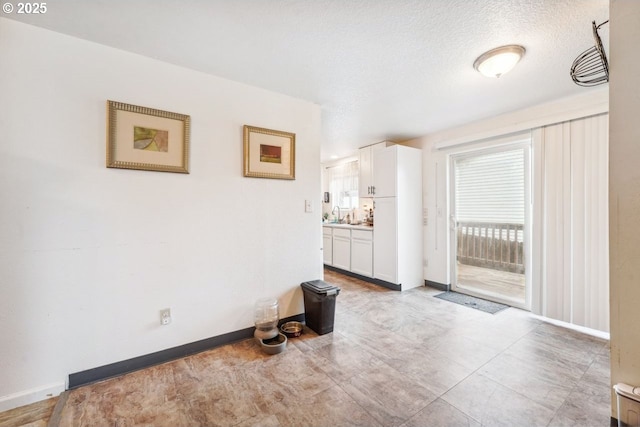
89	255
624	194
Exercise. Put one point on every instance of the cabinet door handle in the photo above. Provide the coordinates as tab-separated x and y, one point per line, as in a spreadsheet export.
373	190
369	190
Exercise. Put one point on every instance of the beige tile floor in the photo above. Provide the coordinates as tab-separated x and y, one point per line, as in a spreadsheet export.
394	359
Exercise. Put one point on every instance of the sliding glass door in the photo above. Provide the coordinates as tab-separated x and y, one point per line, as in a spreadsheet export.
490	223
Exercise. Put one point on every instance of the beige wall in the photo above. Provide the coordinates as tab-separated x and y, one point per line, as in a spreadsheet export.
624	193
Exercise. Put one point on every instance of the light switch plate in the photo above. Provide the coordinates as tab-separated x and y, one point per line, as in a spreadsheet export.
308	206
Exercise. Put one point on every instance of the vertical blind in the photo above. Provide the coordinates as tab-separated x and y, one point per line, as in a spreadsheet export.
575	226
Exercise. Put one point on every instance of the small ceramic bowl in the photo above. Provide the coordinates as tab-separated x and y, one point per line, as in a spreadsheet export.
274	345
292	329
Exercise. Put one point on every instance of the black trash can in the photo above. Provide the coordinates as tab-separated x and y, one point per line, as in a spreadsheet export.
319	305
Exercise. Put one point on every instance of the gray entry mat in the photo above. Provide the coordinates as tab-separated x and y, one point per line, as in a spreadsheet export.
473	302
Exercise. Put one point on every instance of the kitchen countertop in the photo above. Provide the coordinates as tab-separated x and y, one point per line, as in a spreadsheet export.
349	226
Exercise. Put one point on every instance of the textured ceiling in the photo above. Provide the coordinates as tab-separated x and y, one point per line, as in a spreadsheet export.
380	69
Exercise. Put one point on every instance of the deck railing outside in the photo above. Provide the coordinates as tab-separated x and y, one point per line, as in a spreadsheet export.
491	245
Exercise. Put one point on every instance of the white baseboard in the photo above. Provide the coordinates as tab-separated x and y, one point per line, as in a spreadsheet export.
584	330
27	397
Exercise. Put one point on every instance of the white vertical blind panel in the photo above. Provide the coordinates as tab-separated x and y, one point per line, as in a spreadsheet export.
575	224
579	224
590	226
600	290
556	269
567	249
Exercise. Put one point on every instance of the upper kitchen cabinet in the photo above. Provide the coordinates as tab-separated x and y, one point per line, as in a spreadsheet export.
365	164
397	168
386	172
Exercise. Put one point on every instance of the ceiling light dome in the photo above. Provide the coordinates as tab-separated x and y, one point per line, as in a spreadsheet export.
499	61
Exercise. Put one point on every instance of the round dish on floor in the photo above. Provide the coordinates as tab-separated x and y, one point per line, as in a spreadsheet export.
292	329
274	345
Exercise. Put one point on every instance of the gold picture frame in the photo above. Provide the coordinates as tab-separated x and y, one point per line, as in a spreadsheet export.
269	153
147	139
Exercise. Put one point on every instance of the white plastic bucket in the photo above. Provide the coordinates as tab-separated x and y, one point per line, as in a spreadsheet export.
628	401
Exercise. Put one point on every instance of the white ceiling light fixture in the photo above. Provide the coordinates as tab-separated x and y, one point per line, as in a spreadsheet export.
499	61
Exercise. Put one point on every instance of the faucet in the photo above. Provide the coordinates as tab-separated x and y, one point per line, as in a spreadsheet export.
334	209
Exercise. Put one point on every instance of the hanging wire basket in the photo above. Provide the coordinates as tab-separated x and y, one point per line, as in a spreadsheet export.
591	68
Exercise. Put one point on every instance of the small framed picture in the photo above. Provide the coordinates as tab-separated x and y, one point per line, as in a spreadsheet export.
269	153
147	139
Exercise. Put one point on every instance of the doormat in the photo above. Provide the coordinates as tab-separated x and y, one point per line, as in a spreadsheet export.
473	302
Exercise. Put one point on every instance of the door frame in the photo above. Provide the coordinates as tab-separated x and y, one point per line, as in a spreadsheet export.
519	141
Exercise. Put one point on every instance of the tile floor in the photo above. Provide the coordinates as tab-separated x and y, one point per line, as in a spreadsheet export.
394	359
34	415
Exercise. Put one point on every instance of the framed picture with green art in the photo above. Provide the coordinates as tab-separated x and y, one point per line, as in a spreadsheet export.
269	153
147	139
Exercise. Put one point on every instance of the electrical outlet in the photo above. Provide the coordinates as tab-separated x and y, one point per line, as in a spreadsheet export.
165	316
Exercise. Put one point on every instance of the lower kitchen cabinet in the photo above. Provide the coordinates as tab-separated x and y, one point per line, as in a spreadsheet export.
327	245
348	248
362	252
342	248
